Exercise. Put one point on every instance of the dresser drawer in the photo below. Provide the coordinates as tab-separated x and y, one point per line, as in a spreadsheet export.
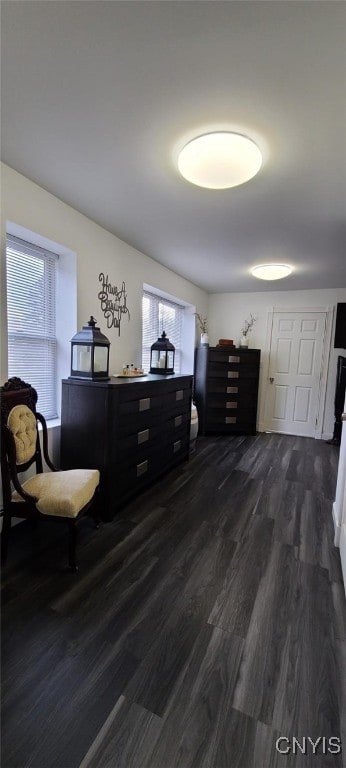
215	416
174	411
237	428
132	475
178	423
228	387
142	442
136	415
132	423
139	389
139	440
232	371
141	405
232	401
145	451
180	395
234	357
175	450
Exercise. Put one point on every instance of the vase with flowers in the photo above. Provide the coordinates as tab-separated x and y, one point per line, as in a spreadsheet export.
202	322
246	330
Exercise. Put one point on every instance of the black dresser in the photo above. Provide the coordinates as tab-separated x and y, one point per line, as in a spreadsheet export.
226	389
132	430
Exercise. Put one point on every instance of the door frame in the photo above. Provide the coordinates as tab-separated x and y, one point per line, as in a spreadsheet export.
328	311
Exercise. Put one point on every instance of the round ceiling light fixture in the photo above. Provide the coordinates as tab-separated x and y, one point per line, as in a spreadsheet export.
271	271
219	160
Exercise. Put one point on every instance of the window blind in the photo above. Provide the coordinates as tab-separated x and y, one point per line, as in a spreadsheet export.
32	345
160	314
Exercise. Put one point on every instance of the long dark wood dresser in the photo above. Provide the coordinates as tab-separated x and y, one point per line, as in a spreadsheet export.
226	389
133	430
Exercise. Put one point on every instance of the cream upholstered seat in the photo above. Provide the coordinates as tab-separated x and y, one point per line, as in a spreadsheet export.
63	495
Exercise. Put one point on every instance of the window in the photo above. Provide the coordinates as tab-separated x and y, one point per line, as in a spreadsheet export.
32	344
160	314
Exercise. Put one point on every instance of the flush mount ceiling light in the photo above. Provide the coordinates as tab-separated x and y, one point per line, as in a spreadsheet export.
219	160
271	271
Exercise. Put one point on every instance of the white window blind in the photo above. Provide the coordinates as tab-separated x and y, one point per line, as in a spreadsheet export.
32	346
160	314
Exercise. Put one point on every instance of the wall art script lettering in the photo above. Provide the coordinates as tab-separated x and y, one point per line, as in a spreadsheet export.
113	302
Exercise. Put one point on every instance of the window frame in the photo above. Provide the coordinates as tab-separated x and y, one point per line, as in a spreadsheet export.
44	337
157	326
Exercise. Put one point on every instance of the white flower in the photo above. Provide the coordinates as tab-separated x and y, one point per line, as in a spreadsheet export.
202	321
248	325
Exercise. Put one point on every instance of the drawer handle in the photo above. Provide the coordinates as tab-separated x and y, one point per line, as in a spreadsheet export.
142	468
232	390
144	404
143	436
176	446
233	374
231	404
179	395
231	420
233	359
178	421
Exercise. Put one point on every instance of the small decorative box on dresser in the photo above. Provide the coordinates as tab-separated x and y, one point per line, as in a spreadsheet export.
131	430
226	389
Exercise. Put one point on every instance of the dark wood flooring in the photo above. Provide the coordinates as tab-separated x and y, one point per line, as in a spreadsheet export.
206	621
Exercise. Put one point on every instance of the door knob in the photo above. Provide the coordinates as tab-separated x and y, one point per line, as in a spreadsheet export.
271	379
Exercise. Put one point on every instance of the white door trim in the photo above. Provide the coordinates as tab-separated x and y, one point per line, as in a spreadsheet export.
326	348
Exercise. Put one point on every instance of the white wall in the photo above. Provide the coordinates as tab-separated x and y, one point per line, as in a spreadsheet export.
226	315
92	250
28	205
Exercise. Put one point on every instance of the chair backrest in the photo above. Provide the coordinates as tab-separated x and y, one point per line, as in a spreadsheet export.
16	392
22	425
19	434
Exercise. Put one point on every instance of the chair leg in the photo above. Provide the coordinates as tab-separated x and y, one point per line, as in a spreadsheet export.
5	534
72	542
96	519
95	508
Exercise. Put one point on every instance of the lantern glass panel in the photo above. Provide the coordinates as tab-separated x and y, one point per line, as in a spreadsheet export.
81	358
163	360
100	358
155	358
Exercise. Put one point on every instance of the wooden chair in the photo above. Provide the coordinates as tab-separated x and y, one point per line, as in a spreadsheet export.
61	496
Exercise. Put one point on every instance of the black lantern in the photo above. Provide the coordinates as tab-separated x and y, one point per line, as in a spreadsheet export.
162	356
90	353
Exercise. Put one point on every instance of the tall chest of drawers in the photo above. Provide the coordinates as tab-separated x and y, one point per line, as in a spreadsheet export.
226	389
132	430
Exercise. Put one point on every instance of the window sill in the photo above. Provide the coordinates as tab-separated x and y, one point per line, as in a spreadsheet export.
51	423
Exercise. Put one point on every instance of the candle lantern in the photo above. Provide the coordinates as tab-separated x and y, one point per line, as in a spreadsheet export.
162	356
90	354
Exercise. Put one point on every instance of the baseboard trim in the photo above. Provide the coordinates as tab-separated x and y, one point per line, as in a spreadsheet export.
317	436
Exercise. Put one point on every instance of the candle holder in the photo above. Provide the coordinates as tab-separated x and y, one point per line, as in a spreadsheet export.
162	356
90	354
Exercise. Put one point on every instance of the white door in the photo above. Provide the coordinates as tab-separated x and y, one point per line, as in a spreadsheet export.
343	540
339	506
293	389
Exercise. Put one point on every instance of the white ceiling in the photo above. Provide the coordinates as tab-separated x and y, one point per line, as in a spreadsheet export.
98	96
